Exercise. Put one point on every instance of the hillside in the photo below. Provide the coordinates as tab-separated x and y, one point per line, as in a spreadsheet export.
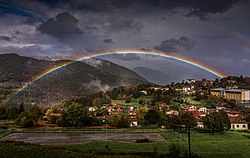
75	80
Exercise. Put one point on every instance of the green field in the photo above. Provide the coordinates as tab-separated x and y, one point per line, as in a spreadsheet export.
229	145
190	100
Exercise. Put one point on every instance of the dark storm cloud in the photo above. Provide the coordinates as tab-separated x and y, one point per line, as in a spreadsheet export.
220	35
199	8
50	3
90	5
125	24
108	41
126	57
195	6
5	38
175	45
62	27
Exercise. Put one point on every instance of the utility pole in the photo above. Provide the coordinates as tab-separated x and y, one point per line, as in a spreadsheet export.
189	144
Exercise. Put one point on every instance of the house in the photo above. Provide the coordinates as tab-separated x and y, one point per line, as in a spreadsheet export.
173	112
115	109
144	92
133	122
196	113
231	81
185	89
233	113
130	107
56	115
222	106
200	123
238	123
203	109
92	109
207	83
189	92
189	81
178	89
163	107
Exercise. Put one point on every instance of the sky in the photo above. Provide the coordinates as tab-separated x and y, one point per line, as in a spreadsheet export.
214	33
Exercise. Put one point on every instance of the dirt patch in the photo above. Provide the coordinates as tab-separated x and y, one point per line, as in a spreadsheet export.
64	138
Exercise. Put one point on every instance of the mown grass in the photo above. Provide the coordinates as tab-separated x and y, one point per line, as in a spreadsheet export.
190	100
23	150
229	144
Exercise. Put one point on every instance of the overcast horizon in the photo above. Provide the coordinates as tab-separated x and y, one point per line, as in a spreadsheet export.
213	33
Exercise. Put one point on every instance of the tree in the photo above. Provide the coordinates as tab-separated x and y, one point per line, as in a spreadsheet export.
232	103
176	150
21	108
127	99
188	119
217	121
140	113
198	96
166	99
212	100
48	114
97	102
136	94
120	121
12	113
106	99
76	115
152	117
29	118
140	101
173	121
157	95
2	112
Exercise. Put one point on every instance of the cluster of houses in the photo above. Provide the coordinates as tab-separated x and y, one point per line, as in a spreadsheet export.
237	119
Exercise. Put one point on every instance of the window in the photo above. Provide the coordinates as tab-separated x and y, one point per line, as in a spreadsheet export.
237	126
244	126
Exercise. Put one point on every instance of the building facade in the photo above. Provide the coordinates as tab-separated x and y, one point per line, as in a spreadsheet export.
240	95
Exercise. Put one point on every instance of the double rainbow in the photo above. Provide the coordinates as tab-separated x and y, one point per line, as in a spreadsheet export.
99	54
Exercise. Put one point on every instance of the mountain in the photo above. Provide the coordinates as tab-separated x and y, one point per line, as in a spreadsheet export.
71	81
154	76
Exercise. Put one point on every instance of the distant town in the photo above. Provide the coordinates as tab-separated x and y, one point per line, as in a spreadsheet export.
127	106
214	110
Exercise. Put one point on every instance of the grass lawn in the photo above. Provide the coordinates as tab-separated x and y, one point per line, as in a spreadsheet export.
122	102
230	144
190	100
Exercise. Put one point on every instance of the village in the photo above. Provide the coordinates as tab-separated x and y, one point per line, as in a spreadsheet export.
200	98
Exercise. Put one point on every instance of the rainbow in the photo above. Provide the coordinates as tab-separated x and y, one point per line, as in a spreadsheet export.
100	54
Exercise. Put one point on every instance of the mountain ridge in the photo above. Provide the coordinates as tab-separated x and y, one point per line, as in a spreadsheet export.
73	80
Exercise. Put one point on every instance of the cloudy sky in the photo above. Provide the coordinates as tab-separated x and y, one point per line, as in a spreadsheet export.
213	32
